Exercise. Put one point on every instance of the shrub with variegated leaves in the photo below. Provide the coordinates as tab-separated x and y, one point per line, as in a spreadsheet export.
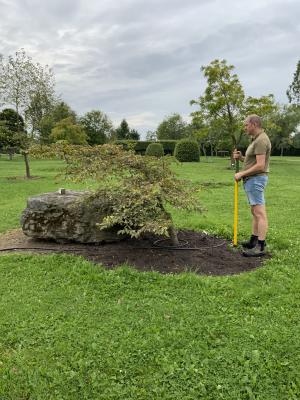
139	187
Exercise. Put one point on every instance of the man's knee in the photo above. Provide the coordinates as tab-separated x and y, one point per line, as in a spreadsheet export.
259	211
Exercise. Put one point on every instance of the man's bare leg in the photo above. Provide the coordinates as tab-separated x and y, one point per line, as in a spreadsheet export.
260	221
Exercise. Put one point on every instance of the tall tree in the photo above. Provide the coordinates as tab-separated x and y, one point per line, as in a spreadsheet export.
293	92
172	128
222	101
22	82
223	106
97	126
42	99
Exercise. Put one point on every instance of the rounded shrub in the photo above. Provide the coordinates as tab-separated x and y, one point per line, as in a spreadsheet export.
155	149
187	150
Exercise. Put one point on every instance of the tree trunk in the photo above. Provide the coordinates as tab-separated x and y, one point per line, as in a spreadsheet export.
281	151
10	154
18	122
171	230
173	235
25	154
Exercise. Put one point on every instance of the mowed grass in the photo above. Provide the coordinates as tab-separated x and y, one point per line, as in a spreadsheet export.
73	330
14	189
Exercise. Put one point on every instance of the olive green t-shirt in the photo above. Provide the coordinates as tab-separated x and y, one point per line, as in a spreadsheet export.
260	145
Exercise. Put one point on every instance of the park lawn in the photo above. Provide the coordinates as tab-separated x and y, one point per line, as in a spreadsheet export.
14	189
73	330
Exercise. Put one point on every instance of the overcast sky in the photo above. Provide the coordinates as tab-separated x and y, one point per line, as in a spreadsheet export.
141	60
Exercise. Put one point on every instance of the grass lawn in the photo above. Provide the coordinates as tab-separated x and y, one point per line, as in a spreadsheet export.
72	330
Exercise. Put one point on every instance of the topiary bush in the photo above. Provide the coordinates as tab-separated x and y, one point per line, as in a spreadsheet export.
155	149
187	150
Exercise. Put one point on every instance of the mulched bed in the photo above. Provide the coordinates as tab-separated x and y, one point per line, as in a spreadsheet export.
214	256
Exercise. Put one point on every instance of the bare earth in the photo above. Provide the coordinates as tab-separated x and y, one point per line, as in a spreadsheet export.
214	256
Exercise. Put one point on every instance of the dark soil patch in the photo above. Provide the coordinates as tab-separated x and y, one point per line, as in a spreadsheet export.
213	256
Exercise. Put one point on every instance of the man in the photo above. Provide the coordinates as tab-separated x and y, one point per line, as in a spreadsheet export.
255	177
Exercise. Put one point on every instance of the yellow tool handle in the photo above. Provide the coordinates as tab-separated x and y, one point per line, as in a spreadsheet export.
236	205
235	219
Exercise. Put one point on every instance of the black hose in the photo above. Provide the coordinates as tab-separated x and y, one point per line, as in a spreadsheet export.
131	248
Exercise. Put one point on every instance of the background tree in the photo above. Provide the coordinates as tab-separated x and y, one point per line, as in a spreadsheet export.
133	135
296	140
151	136
10	141
12	131
123	131
285	123
293	92
13	136
68	131
97	126
60	111
265	107
12	120
172	128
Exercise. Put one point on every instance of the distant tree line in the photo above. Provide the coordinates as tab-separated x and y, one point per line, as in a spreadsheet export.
27	90
31	112
217	124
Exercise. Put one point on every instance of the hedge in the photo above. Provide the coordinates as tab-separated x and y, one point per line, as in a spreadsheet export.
140	146
187	150
155	149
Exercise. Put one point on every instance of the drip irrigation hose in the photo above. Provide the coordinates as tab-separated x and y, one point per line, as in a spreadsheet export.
158	246
154	247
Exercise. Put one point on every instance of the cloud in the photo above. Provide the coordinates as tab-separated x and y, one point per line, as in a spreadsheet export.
141	60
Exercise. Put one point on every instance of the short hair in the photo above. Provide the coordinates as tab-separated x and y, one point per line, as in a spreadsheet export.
254	119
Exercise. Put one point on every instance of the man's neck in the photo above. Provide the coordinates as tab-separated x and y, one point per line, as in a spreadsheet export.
257	133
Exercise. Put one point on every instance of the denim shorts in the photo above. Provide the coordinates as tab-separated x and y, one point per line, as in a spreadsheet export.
254	188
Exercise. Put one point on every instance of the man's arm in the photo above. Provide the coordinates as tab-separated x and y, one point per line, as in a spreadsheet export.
256	168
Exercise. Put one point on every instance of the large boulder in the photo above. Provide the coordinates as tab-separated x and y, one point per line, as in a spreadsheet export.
67	215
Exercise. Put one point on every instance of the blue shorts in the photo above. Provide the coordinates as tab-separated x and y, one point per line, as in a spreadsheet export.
254	188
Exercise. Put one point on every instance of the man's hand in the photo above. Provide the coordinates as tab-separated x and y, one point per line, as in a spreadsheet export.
237	155
238	176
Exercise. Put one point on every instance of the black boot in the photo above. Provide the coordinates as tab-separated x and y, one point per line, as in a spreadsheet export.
251	243
256	251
